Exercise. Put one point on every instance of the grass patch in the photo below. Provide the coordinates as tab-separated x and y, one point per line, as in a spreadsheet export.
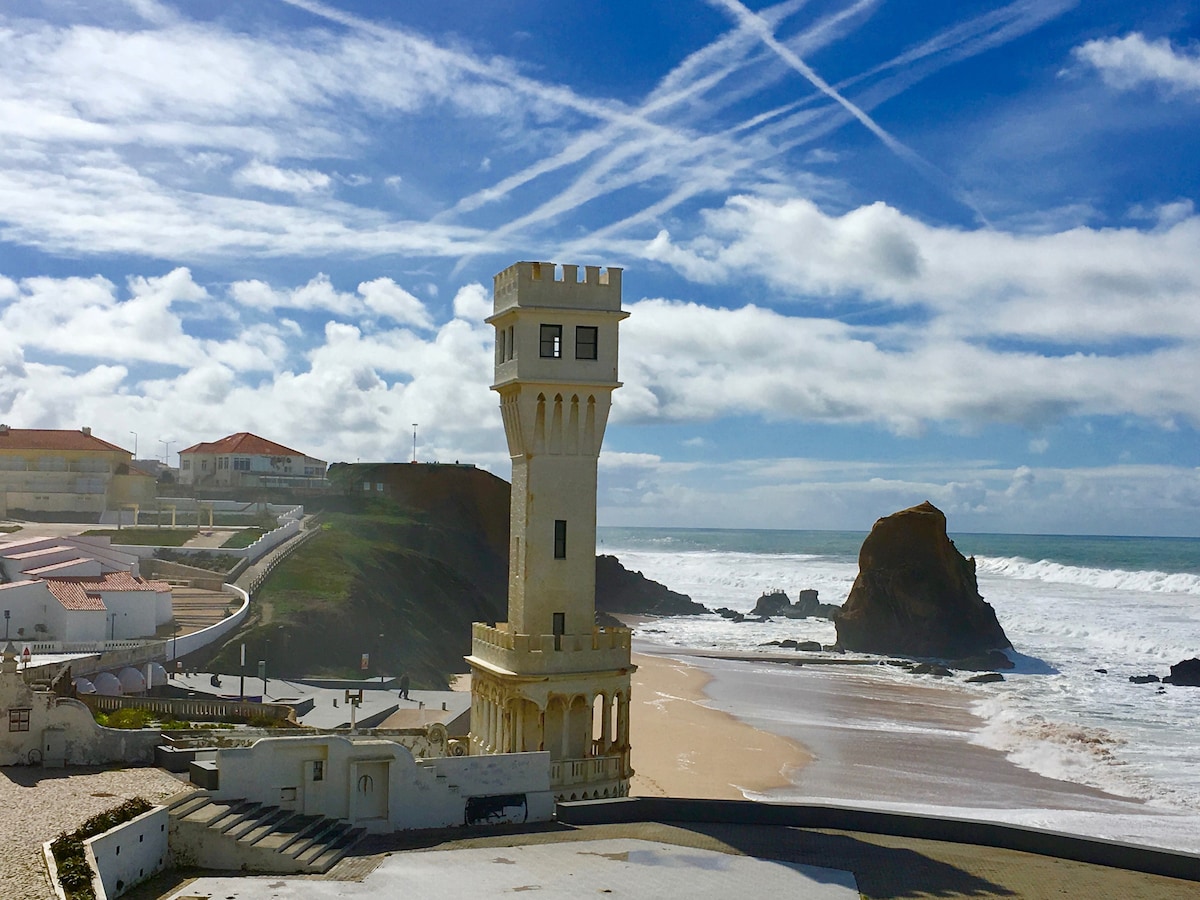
74	873
129	717
323	572
146	537
9	529
243	538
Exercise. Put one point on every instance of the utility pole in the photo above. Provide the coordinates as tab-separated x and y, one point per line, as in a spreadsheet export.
166	451
414	441
134	433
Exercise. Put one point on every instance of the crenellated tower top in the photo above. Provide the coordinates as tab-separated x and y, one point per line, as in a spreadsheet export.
547	284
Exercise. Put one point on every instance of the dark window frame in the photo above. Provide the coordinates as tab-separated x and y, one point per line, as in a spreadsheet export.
550	341
587	349
560	538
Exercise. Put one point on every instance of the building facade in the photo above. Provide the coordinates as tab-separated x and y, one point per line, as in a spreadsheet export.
549	678
247	460
44	470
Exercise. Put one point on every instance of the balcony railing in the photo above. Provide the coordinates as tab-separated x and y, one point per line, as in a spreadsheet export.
602	648
590	770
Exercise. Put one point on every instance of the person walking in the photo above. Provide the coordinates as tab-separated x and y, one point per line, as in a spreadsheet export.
404	686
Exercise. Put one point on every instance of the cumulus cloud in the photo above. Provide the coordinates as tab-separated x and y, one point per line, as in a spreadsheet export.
1133	61
1075	287
378	297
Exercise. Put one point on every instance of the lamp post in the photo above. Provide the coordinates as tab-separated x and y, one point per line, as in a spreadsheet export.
134	433
379	653
7	616
175	642
414	441
166	451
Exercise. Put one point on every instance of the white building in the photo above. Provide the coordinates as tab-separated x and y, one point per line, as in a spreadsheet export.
549	678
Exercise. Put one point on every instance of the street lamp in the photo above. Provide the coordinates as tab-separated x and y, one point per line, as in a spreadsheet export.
7	616
414	441
175	643
379	653
166	451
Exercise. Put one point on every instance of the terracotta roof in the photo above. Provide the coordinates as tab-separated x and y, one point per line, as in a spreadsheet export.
243	442
72	595
52	439
159	586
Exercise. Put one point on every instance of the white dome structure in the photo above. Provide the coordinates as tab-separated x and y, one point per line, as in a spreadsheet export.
83	686
132	681
107	685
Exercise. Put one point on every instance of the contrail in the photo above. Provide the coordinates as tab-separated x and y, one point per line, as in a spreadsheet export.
752	21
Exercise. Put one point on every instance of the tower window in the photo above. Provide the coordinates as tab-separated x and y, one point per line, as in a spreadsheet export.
551	342
560	538
585	341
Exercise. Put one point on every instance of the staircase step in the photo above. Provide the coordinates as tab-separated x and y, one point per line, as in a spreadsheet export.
211	811
240	813
269	825
289	831
338	849
330	830
188	805
180	798
264	815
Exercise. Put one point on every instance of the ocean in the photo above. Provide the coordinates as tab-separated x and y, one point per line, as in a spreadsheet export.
1070	605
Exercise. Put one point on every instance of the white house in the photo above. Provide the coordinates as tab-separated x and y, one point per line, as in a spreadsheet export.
379	785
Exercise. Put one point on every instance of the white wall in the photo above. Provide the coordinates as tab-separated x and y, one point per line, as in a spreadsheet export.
136	613
130	853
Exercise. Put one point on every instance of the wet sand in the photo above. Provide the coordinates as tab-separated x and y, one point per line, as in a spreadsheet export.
684	749
865	740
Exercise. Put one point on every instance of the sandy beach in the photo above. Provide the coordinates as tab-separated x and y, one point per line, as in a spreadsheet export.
682	748
705	727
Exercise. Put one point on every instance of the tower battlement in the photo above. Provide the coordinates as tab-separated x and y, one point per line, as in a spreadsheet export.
551	285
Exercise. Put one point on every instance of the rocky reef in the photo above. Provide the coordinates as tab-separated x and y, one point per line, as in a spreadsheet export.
915	594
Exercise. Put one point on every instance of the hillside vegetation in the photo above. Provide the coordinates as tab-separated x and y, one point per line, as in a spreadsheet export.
401	576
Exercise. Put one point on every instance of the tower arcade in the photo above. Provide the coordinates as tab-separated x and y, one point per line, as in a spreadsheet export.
549	678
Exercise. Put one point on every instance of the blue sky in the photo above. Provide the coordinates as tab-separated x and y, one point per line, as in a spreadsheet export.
875	253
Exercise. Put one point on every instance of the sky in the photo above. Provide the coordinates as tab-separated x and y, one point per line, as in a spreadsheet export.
874	252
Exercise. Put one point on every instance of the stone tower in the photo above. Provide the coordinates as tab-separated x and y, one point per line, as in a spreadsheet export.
549	678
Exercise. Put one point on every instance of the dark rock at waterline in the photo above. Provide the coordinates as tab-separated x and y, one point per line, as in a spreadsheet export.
1101	671
984	662
935	669
777	603
619	590
915	594
1144	679
1185	673
985	678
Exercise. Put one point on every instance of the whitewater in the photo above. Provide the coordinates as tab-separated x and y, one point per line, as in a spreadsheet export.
1083	614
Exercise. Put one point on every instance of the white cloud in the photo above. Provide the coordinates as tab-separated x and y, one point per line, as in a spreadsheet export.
1081	285
1039	446
473	302
1133	61
292	181
384	297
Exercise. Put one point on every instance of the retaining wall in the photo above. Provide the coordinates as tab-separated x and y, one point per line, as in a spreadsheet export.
128	854
1134	857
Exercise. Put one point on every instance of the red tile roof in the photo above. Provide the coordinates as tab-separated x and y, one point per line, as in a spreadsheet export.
72	595
52	439
243	442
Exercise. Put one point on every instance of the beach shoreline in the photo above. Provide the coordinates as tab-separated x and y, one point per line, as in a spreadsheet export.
684	748
848	736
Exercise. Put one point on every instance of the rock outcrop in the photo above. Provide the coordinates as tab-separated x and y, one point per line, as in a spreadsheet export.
1185	673
915	594
778	604
619	590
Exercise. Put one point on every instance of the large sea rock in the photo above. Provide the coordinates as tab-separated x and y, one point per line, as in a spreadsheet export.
915	594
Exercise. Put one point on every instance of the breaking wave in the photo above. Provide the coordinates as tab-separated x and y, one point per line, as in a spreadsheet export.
1105	579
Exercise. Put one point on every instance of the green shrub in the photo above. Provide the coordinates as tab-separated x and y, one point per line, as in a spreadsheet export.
74	873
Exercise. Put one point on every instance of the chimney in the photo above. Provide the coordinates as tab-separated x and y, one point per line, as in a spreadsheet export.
4	429
86	430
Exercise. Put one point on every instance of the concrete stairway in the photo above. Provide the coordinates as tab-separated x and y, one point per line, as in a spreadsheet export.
238	834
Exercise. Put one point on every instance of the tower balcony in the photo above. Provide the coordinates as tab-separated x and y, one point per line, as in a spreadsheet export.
550	654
